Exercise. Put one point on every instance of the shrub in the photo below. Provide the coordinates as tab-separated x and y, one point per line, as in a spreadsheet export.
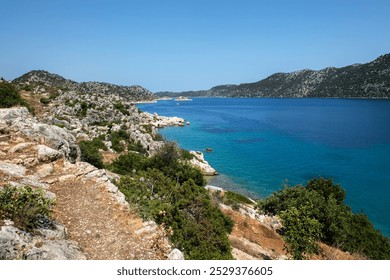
197	227
186	155
158	137
148	128
83	109
10	97
125	164
116	137
25	206
168	158
44	100
47	100
121	108
234	199
300	231
172	193
136	147
327	189
90	152
26	87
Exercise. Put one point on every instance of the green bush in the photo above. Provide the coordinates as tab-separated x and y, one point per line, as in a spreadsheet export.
158	137
83	109
323	201
45	100
116	137
9	97
148	128
121	108
26	88
301	232
196	226
90	152
168	159
172	193
186	155
25	206
125	164
136	147
234	199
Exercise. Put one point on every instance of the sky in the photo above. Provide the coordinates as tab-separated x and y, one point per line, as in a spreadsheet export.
166	45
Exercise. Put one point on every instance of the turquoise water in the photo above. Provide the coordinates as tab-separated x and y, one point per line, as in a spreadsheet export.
261	144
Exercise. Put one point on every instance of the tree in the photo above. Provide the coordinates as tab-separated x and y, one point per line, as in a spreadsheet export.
327	189
300	232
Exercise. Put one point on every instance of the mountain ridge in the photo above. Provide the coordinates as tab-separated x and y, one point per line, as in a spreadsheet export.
135	92
369	80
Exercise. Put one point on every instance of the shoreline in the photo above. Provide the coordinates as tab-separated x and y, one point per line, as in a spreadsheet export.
267	186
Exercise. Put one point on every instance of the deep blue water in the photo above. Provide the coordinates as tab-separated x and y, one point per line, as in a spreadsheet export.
260	144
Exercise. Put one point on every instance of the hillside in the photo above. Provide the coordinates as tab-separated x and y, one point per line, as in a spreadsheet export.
39	78
370	80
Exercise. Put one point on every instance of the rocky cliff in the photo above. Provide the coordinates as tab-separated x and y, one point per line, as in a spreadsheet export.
370	80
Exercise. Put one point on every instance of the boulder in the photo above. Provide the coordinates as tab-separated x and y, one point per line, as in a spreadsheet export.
55	250
50	244
11	169
13	242
47	154
176	254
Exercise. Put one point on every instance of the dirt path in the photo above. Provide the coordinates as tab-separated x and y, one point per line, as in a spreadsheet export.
103	228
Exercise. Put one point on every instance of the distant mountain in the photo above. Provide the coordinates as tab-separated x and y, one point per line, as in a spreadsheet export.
40	77
370	80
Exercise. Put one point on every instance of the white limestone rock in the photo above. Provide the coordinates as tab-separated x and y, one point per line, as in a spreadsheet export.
46	154
199	162
11	169
176	254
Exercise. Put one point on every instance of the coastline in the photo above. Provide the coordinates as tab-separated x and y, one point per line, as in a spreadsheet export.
295	175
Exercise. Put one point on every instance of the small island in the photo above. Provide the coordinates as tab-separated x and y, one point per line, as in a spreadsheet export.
183	98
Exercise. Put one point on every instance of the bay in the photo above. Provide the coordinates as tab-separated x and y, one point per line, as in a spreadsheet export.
260	145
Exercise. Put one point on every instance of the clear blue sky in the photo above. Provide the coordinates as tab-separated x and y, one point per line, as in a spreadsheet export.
187	45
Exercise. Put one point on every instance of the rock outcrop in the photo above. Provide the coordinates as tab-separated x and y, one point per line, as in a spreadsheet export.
199	162
45	244
20	121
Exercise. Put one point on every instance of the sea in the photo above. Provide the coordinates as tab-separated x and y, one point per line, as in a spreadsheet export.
261	145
